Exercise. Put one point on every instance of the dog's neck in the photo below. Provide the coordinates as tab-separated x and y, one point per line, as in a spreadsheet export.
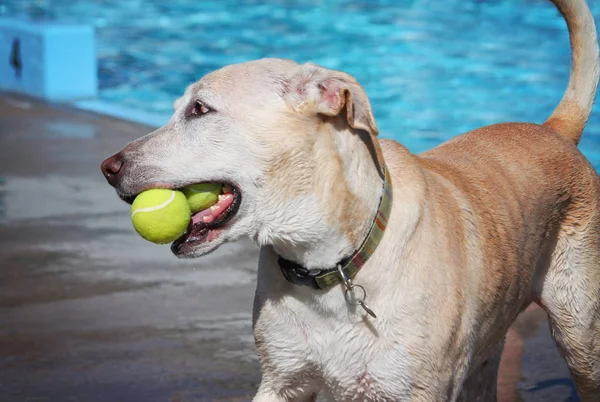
340	205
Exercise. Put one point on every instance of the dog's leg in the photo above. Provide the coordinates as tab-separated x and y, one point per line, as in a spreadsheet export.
570	293
481	385
266	394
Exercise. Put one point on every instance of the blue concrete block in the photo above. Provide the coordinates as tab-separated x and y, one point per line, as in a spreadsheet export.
50	61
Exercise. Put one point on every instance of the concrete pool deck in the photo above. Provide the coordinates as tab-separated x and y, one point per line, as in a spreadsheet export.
91	312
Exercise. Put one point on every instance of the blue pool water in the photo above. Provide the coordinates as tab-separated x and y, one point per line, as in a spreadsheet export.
432	68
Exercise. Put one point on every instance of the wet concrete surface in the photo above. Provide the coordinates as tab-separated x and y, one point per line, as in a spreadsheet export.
91	312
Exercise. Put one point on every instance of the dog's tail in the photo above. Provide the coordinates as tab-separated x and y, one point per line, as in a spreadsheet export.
571	114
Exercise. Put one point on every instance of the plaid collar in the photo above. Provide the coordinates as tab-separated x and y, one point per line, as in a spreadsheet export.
324	278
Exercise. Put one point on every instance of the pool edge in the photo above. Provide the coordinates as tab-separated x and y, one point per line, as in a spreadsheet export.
120	112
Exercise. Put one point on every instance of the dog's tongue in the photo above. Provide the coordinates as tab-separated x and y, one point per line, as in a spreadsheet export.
210	214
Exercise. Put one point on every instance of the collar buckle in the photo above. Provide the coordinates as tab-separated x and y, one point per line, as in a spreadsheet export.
299	275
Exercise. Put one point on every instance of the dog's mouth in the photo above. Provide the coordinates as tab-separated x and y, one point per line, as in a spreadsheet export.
207	225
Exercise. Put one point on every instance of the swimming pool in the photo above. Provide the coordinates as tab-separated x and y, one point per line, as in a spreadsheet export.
432	69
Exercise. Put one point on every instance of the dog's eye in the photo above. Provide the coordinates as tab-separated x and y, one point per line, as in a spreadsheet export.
199	109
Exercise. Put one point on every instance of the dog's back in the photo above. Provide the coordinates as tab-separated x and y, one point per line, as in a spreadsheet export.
536	203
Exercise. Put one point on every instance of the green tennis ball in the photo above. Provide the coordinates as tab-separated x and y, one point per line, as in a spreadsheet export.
202	196
160	216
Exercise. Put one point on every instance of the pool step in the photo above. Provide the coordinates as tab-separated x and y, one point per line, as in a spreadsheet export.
48	60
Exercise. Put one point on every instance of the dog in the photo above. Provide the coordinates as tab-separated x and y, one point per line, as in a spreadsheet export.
385	275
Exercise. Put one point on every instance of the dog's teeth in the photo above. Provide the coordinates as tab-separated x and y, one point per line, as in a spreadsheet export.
227	196
221	197
227	188
207	219
213	208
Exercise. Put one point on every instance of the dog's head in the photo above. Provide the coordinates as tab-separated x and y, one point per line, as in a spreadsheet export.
284	136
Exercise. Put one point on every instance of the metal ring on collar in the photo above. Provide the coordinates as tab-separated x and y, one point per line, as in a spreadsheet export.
347	282
351	296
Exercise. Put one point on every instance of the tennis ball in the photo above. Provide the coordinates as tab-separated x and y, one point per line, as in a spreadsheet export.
202	196
159	215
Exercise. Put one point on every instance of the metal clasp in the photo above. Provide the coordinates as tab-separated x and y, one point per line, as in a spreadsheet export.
350	293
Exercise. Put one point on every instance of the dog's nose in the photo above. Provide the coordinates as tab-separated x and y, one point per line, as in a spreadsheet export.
112	168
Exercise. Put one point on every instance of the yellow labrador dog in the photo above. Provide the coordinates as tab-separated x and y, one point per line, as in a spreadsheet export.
384	275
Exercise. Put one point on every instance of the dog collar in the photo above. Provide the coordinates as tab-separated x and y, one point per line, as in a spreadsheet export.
348	267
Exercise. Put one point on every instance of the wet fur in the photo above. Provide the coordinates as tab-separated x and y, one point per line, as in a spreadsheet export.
481	226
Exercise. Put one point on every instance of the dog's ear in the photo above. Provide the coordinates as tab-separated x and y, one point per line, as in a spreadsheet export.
340	93
331	93
315	89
